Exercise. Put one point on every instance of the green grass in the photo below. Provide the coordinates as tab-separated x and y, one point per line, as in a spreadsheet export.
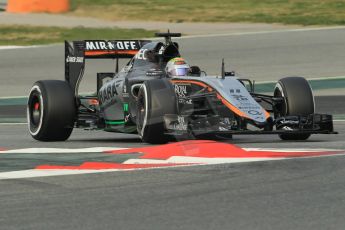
304	12
37	35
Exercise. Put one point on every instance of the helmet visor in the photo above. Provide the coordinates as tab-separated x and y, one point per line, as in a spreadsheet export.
179	72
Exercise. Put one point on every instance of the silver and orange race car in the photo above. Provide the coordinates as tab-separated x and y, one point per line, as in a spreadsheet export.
142	98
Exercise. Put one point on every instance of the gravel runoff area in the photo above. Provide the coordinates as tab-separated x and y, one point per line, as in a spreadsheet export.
185	28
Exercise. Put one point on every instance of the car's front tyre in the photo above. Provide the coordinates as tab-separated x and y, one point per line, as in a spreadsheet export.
155	99
298	101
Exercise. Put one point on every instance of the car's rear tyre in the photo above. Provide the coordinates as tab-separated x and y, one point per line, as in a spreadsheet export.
155	99
51	110
298	100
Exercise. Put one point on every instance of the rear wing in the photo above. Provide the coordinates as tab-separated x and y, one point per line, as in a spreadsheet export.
77	51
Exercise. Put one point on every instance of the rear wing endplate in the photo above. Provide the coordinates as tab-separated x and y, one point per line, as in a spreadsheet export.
77	51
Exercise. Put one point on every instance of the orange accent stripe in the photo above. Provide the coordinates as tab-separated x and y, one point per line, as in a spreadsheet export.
194	82
267	114
232	107
107	52
225	102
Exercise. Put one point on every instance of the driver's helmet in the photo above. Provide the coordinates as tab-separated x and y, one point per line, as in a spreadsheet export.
177	67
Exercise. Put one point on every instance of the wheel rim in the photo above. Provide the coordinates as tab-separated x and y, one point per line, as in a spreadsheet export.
141	113
281	110
35	110
36	114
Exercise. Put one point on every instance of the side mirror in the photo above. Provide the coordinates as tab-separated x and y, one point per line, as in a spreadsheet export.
195	71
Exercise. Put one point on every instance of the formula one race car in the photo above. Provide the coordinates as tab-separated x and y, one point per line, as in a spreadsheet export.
144	98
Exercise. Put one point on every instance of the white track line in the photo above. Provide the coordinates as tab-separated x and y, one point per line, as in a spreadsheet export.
11	47
31	173
15	97
103	149
261	32
208	35
197	162
309	79
27	47
200	160
62	150
256	83
47	172
14	123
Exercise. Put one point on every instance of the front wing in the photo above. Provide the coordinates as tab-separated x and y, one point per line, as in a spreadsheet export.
312	124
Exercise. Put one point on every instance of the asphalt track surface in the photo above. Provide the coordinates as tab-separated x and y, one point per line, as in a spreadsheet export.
300	193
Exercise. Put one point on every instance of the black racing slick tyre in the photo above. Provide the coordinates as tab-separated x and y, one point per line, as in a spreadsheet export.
298	100
51	110
155	99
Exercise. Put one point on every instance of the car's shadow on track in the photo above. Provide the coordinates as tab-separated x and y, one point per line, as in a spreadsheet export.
109	140
230	141
271	141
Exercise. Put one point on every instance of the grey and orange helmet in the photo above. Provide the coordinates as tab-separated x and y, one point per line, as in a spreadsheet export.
177	67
